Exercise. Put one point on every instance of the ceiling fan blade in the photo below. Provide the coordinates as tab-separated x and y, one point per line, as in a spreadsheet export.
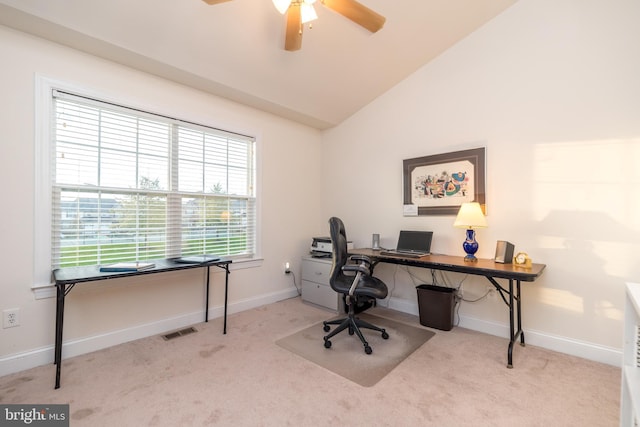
293	37
214	1
357	12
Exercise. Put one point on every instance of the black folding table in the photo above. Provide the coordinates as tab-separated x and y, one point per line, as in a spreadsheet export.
67	278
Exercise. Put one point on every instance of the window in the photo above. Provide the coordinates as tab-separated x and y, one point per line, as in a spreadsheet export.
130	185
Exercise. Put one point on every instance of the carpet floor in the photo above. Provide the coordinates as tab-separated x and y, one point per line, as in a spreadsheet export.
243	378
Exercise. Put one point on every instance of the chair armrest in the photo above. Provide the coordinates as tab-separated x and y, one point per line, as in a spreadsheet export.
359	268
362	268
361	258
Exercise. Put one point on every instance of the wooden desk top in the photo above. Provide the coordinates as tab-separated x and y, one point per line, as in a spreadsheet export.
483	267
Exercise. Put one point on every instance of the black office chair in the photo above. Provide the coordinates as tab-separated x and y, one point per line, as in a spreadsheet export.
351	276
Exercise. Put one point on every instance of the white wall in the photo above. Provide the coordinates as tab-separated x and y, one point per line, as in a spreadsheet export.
105	313
551	89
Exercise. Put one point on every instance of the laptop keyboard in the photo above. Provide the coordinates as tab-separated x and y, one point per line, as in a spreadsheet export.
403	254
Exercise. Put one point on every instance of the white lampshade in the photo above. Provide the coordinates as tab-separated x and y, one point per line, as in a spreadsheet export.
282	5
470	216
307	13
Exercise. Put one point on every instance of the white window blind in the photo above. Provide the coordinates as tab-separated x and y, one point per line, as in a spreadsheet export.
129	185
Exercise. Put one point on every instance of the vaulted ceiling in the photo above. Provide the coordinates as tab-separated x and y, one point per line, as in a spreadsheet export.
235	49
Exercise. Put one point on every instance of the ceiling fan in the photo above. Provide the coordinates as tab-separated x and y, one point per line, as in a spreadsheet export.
300	12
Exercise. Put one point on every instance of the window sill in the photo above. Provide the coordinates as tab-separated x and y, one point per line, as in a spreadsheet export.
239	264
44	291
49	290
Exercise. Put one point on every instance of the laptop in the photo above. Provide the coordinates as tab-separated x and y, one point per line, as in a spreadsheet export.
412	244
196	259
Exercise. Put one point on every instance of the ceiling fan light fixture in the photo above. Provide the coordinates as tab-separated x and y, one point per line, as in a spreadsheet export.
282	5
307	13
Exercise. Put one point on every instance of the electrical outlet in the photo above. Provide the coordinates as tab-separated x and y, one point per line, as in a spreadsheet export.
10	318
287	268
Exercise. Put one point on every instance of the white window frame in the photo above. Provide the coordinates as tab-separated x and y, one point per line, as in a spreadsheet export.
42	278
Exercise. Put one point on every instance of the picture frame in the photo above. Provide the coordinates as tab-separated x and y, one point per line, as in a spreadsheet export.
440	183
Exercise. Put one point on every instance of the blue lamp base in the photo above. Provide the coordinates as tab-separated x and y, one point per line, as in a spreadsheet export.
470	246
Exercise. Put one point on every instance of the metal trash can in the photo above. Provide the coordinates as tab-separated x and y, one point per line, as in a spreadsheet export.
435	305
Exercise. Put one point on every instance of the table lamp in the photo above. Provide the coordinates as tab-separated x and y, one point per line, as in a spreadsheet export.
470	216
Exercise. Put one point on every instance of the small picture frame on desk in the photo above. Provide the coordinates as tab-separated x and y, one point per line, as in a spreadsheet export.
504	252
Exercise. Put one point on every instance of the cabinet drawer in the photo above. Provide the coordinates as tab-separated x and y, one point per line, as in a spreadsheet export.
319	294
316	271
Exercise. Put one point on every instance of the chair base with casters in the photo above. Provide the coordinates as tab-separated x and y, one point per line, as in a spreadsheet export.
354	324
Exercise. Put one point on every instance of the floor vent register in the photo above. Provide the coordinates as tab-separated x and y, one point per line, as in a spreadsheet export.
180	333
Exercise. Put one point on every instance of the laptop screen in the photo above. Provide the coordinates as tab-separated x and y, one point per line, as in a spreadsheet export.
418	241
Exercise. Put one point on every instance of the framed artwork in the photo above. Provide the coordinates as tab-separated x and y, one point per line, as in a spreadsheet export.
439	184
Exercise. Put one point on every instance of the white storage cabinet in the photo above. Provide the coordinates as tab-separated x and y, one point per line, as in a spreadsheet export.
315	284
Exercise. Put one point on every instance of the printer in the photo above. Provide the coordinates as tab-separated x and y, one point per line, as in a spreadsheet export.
321	247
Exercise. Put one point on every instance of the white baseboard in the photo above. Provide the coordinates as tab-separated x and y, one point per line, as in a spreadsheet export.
403	305
583	349
43	356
